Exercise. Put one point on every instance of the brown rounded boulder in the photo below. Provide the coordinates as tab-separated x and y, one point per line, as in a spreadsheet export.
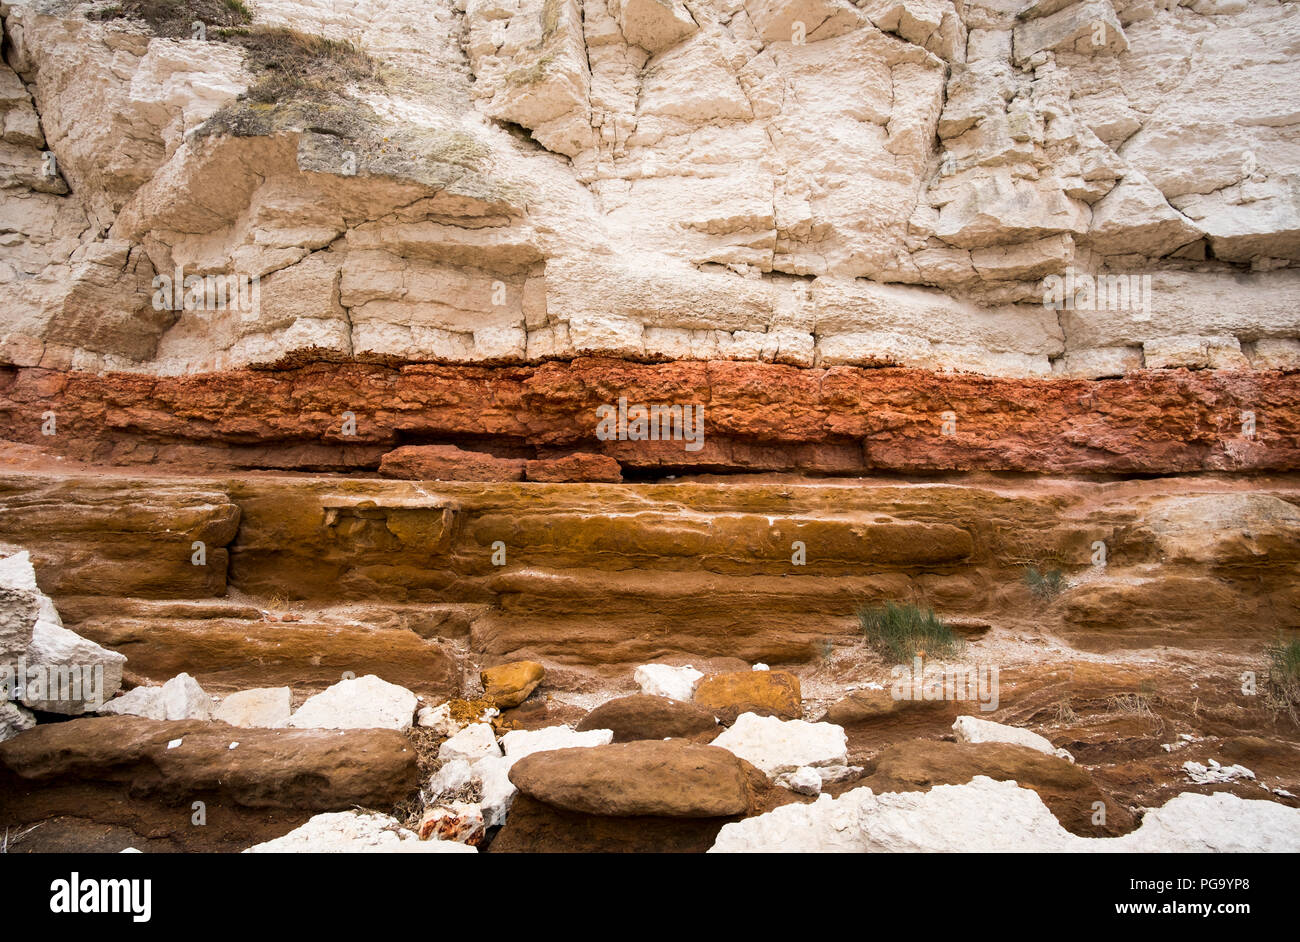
645	717
767	693
659	778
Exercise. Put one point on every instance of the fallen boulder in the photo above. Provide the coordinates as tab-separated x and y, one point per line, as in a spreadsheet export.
459	821
261	707
42	664
776	746
665	680
14	720
509	685
644	717
763	692
358	703
656	778
179	762
181	698
472	743
975	730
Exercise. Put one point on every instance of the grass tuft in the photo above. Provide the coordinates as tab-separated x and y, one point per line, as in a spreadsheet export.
1282	690
1044	585
901	632
289	64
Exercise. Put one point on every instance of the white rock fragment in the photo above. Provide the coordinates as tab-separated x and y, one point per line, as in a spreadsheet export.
438	719
471	743
498	792
360	703
760	667
453	776
830	774
804	780
182	698
17	572
261	707
975	730
664	680
67	673
523	742
139	701
173	743
353	832
62	671
776	746
14	720
987	816
1215	773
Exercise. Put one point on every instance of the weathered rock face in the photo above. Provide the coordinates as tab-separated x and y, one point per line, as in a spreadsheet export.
587	339
798	182
146	775
398	578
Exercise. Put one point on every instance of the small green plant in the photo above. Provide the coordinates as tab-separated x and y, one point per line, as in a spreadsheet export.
904	631
1284	661
1044	585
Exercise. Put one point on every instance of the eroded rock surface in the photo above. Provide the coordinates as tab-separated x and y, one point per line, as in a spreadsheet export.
804	183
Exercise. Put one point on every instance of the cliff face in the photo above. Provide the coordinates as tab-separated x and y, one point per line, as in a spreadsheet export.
806	182
417	337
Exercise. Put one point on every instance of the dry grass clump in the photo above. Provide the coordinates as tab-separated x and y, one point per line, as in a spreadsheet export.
174	19
1282	688
289	64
